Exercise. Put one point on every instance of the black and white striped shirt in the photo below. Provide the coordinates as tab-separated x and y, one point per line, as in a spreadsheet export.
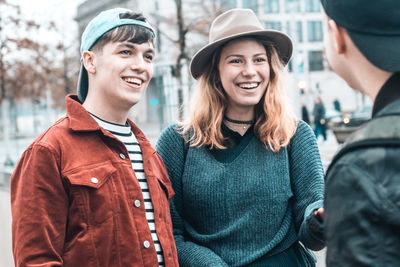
125	135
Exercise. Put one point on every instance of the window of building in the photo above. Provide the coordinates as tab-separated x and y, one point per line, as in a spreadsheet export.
273	25
299	61
315	33
271	6
315	60
299	30
228	3
292	6
313	6
252	4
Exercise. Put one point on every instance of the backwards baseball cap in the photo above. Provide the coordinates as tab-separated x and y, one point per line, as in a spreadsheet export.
97	27
374	26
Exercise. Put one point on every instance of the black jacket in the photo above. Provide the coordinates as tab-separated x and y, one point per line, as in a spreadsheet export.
362	196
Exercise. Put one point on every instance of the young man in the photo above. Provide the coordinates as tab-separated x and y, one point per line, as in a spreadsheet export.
362	200
91	191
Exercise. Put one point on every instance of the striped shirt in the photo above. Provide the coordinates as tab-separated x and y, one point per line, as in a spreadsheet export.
126	136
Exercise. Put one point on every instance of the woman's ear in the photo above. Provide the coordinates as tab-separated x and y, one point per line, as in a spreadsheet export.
88	58
339	36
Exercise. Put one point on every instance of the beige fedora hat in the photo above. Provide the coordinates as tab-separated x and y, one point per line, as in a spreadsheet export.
236	23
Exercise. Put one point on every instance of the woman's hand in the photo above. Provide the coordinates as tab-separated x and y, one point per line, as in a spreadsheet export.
319	214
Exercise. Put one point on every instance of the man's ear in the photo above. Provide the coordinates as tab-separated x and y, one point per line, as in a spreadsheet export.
339	36
88	58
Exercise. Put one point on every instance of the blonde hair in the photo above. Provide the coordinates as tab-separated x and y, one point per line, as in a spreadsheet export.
275	123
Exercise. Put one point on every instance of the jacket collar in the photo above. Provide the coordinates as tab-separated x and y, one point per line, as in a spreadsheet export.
81	121
388	94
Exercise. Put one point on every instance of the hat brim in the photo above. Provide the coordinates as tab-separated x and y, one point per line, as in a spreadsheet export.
381	50
82	86
203	57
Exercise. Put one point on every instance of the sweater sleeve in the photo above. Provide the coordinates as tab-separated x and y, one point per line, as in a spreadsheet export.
306	174
170	147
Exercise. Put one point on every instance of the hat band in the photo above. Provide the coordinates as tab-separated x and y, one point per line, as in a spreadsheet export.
238	30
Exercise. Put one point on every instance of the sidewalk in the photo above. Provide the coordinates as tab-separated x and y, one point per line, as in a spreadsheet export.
328	148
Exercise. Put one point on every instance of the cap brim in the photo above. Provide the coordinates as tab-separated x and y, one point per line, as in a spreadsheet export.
382	51
203	57
82	87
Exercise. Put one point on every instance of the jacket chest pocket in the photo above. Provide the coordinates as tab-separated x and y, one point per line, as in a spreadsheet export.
94	193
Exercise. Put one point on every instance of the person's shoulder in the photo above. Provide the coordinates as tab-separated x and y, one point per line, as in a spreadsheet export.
54	133
171	131
170	135
303	130
50	139
366	163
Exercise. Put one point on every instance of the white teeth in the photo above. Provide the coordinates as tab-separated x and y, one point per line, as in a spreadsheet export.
133	80
248	85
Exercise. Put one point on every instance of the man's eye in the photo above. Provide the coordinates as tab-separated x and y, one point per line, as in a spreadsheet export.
125	52
149	57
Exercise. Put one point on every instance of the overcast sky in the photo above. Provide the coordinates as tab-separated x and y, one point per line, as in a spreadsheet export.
62	12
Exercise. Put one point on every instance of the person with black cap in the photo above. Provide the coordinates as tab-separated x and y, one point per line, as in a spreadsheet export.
362	197
91	190
247	173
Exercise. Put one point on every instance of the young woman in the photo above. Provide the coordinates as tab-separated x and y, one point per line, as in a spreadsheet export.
247	174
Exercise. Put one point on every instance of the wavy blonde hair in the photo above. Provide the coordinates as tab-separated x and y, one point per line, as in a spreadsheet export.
275	123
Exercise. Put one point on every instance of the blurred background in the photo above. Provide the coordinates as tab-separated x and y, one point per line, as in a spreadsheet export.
39	65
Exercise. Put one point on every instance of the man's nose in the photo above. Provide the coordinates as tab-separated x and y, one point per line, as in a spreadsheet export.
138	63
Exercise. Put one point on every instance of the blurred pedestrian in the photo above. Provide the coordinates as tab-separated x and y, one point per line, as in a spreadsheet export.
336	105
362	205
319	114
246	172
304	114
91	191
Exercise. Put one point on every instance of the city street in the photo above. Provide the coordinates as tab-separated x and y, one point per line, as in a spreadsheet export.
327	149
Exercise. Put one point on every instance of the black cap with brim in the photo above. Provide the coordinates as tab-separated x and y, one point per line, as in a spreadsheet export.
374	27
381	51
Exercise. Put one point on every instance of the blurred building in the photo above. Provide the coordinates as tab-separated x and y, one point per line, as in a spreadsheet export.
309	74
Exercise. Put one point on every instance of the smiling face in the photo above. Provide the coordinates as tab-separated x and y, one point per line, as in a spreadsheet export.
244	73
122	72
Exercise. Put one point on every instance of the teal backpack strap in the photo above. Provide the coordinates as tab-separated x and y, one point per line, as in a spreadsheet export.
382	131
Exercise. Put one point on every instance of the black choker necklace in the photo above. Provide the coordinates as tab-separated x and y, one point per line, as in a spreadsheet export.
239	122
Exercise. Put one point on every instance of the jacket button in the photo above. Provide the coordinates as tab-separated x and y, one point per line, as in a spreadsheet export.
146	244
122	156
137	203
94	180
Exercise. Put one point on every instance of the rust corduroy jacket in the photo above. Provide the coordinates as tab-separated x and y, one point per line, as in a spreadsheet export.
73	194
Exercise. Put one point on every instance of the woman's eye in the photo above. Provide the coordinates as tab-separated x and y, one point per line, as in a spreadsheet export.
260	59
235	61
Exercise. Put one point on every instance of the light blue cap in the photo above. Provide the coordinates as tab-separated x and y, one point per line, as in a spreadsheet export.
105	21
97	27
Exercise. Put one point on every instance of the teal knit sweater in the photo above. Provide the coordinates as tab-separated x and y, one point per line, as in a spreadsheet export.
259	204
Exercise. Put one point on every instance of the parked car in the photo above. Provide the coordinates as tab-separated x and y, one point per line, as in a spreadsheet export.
333	117
349	123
